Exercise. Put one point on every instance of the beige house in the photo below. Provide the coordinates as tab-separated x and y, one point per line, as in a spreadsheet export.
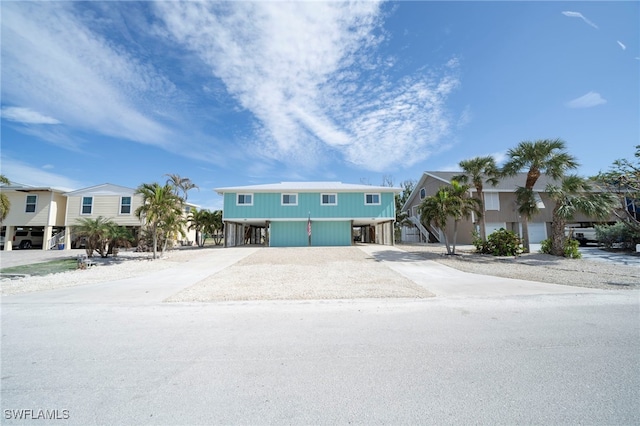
500	210
35	219
114	202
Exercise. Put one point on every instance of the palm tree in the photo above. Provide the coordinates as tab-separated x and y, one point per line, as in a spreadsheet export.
96	231
119	236
542	156
180	185
160	206
450	201
5	204
217	226
575	194
479	170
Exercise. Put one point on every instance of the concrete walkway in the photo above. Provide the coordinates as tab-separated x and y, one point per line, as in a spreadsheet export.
449	282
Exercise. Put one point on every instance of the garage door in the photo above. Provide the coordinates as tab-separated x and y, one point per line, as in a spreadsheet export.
491	227
537	232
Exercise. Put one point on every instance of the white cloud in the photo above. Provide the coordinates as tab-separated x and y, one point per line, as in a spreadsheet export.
589	100
27	116
55	64
621	45
308	73
579	15
18	171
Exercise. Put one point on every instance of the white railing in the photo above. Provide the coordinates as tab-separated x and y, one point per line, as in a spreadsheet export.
55	240
424	231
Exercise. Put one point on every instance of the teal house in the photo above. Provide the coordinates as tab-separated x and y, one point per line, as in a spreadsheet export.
298	214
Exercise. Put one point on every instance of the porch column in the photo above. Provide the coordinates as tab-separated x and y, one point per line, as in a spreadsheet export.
67	238
226	233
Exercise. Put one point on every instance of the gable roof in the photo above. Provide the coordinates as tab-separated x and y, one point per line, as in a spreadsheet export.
102	189
20	187
308	187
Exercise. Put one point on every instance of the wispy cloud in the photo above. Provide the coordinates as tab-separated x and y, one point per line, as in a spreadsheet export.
579	15
315	85
589	100
27	116
19	171
622	45
58	66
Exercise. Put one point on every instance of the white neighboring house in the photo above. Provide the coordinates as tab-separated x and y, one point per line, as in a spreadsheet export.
110	201
35	219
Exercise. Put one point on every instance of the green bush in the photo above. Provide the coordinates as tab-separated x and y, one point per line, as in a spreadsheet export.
570	248
619	233
499	243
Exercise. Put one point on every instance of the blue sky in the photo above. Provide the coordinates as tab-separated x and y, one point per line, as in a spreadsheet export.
241	93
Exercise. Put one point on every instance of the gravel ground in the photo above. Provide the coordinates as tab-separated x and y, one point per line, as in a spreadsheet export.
302	274
536	267
305	274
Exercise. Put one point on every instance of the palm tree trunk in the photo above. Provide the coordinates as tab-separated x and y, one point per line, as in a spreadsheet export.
525	234
557	235
455	236
155	242
483	226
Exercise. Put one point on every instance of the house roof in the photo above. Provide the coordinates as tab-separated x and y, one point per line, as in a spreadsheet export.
102	189
308	187
28	188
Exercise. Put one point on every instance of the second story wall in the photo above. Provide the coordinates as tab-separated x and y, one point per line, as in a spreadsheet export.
35	208
347	205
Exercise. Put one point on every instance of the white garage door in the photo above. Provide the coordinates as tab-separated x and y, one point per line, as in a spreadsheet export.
537	232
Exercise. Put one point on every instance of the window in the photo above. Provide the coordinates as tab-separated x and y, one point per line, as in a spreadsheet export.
329	199
491	201
32	200
125	205
538	200
423	193
372	199
289	199
87	205
244	200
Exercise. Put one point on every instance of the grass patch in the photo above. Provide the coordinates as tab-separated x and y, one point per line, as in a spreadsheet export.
44	268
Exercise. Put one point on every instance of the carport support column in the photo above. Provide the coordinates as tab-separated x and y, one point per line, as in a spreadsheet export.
67	238
353	243
226	233
48	231
8	238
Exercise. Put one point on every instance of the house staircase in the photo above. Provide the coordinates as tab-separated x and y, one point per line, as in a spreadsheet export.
55	240
431	236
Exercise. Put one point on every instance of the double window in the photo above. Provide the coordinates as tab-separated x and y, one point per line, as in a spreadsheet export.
244	199
32	201
125	205
87	205
372	199
329	199
289	199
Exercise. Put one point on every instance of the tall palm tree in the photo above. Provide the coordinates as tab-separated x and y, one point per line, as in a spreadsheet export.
217	226
573	195
181	185
5	204
450	201
160	205
479	170
542	156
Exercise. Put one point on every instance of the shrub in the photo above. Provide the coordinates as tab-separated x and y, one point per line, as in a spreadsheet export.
619	233
569	246
499	243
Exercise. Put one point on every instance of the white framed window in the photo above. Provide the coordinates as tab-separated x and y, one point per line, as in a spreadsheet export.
372	199
491	201
125	205
423	193
32	202
329	199
87	205
244	199
289	199
539	202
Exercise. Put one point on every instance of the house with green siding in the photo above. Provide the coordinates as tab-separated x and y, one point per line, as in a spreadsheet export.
297	214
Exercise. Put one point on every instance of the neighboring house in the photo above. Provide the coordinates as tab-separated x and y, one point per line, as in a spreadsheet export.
35	219
114	202
294	214
500	210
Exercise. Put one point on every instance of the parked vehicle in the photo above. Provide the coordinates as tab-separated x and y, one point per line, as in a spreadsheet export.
582	235
26	238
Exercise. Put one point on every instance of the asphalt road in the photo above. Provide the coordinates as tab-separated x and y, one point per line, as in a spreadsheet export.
531	359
